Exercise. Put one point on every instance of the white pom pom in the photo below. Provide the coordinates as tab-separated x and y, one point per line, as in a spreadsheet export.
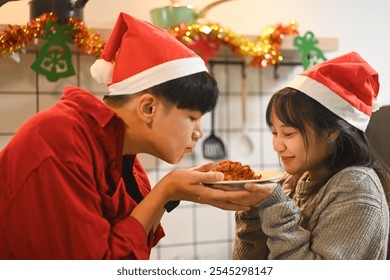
102	71
376	104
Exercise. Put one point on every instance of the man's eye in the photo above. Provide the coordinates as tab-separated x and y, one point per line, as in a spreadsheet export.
193	119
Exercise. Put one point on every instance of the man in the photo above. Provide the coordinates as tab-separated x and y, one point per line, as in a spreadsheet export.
71	185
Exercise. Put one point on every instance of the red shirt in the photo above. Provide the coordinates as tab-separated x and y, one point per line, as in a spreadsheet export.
63	193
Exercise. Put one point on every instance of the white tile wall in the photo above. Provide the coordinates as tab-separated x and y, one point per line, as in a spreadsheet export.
4	139
193	231
17	77
214	250
212	224
15	109
179	227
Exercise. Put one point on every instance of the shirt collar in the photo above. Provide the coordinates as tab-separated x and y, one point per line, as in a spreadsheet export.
90	103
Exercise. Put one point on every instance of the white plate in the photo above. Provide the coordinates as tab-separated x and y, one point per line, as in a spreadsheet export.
266	176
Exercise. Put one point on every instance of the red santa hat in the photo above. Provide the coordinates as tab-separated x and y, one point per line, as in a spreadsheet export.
347	85
139	55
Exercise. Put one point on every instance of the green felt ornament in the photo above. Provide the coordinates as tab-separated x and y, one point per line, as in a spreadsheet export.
310	53
54	58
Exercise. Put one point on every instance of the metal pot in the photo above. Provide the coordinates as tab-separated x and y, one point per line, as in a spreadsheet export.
2	2
64	9
173	15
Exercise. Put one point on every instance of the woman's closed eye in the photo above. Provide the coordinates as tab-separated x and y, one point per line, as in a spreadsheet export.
284	134
289	134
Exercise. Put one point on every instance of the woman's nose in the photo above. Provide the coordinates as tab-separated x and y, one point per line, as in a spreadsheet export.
278	145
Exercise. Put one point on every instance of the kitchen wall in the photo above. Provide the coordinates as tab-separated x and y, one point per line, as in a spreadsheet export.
198	231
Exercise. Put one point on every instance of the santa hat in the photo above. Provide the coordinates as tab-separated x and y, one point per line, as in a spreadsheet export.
139	55
347	85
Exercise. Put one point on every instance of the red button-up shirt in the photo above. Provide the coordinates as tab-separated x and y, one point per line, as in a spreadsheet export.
63	193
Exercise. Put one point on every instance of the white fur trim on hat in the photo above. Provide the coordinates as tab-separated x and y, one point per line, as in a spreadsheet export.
376	105
102	71
330	100
158	74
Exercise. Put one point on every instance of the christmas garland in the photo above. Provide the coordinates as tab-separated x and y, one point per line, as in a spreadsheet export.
264	51
16	37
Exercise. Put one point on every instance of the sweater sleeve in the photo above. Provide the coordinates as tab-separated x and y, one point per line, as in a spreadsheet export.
250	240
348	223
65	218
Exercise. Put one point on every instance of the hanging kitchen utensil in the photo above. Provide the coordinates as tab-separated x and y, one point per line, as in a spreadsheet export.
213	147
2	2
174	14
64	9
245	145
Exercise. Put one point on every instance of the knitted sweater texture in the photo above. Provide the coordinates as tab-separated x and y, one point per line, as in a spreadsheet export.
347	218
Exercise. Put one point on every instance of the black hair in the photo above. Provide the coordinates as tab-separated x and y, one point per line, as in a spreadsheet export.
352	148
196	92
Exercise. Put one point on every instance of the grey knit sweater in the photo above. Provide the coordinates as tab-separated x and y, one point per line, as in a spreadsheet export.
347	218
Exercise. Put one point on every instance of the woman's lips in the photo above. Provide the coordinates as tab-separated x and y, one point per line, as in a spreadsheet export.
286	160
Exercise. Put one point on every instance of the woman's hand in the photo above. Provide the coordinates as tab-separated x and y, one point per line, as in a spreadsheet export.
259	192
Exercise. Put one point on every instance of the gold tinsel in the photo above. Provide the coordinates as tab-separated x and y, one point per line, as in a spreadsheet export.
16	37
263	52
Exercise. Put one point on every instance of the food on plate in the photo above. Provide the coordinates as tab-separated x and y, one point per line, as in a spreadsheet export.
235	171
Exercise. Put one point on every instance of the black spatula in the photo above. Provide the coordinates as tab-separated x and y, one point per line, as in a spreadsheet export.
213	147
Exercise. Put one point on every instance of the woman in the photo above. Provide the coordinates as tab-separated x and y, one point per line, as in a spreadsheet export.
332	204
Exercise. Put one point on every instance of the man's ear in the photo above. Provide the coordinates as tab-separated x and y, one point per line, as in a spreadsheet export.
147	107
